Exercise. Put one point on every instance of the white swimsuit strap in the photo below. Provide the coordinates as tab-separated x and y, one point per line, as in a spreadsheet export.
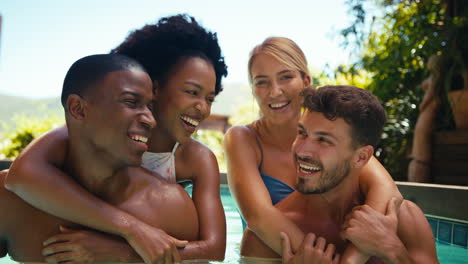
173	177
174	148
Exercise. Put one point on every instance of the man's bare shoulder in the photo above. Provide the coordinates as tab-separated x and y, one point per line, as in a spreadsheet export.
152	187
8	200
4	201
410	213
161	204
411	219
24	237
415	233
3	175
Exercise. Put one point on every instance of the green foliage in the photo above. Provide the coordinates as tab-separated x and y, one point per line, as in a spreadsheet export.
214	141
25	130
393	48
245	114
343	75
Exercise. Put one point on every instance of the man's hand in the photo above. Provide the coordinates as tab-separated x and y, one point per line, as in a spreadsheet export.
80	246
311	251
370	231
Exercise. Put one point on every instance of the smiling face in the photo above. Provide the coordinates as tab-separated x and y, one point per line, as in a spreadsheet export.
277	88
119	118
185	99
323	153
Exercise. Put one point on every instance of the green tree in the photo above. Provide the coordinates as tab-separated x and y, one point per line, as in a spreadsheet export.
25	129
393	42
214	141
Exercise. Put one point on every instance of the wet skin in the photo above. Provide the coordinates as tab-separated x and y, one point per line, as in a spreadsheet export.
187	92
181	103
276	88
322	147
108	126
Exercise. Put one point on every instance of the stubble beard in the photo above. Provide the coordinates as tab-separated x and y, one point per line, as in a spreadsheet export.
329	179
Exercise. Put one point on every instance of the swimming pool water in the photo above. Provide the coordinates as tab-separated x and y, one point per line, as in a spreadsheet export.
448	254
451	254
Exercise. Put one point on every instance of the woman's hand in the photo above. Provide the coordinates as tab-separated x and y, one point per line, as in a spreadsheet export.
81	246
314	250
371	231
154	245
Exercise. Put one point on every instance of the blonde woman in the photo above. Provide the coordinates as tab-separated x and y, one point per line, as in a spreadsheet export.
261	170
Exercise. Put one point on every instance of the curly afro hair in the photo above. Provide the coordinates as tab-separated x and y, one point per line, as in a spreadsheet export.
159	47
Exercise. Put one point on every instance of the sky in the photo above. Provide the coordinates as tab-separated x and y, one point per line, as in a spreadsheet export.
41	39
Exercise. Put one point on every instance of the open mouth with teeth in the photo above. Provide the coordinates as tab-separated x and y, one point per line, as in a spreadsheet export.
308	169
277	106
140	140
190	121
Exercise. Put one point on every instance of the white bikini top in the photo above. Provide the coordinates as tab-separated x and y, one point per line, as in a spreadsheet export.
162	163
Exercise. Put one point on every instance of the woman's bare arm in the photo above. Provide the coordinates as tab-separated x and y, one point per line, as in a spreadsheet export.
206	197
250	192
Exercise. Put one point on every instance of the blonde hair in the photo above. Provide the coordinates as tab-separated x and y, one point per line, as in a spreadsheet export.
285	51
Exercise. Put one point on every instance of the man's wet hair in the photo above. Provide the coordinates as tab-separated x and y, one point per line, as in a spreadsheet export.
87	71
358	107
159	47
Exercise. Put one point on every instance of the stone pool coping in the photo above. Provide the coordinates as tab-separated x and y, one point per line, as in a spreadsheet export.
444	201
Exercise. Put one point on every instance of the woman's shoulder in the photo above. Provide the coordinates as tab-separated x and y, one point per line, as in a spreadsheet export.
242	142
243	133
193	159
194	150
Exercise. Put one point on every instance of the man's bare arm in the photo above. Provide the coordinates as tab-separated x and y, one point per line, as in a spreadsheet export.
403	238
36	176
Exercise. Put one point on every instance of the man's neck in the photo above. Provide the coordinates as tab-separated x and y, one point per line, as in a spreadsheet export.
88	168
343	197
